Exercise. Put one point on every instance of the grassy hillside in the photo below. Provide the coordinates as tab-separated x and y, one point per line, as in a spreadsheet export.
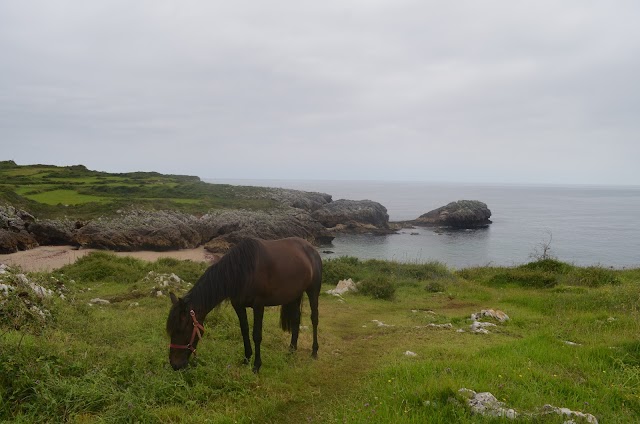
573	341
74	191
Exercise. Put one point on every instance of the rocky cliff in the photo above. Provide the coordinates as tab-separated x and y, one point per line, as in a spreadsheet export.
302	214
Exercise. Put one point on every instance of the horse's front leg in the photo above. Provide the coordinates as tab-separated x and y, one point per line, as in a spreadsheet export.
258	313
241	311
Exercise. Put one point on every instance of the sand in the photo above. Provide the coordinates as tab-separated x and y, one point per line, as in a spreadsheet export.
48	258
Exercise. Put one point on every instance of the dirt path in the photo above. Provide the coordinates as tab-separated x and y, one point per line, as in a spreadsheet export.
48	258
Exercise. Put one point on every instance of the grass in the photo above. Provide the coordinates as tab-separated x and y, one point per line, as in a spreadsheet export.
109	363
52	192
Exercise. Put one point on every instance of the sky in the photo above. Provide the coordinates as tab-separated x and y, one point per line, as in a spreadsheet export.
446	91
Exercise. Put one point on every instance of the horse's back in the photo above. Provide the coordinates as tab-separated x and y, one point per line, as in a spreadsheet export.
290	267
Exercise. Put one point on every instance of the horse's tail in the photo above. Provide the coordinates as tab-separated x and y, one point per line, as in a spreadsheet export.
290	314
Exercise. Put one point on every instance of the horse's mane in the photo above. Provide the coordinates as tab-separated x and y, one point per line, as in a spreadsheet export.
227	277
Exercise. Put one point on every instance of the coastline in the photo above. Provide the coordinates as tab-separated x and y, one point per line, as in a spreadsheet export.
49	258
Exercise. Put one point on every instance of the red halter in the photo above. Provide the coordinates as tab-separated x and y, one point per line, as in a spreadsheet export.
196	330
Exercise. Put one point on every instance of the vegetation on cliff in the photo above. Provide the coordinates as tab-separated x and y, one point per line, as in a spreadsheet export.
49	191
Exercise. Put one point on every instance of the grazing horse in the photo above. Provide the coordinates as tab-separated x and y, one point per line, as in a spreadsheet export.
255	273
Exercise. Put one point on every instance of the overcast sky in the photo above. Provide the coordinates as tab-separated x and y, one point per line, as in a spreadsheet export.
461	91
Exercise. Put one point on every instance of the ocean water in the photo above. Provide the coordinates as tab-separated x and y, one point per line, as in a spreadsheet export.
584	225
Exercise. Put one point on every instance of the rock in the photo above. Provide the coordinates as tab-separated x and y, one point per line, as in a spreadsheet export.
380	323
229	227
343	287
354	216
486	404
566	412
98	301
13	230
11	241
53	232
305	200
481	327
141	230
410	354
490	313
460	214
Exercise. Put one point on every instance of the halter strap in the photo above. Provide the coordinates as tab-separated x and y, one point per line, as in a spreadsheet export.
197	327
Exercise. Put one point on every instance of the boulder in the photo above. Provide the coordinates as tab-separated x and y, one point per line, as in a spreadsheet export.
53	232
141	230
305	200
226	228
356	216
460	214
13	230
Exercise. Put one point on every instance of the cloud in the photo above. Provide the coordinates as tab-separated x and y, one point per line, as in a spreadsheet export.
477	91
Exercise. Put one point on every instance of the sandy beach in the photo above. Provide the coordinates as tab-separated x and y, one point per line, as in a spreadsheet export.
48	258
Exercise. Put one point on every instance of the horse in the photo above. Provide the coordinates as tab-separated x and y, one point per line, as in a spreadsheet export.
254	273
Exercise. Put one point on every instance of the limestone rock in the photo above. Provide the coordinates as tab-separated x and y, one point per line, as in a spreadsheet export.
360	216
140	230
13	230
228	227
460	214
343	287
54	232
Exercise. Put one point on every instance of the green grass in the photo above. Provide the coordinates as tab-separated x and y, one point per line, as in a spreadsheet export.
64	197
109	363
53	192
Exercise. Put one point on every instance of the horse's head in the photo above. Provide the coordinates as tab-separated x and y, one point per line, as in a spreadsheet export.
185	332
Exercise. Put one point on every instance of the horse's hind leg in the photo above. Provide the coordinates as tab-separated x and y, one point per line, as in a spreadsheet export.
295	323
241	311
313	302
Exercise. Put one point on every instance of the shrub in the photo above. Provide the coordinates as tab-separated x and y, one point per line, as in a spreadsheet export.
524	278
378	288
592	276
104	266
548	265
334	270
434	287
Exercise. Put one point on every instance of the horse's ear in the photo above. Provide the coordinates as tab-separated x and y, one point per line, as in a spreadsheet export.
174	299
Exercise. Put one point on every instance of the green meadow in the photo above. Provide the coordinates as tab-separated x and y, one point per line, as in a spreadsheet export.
572	340
49	191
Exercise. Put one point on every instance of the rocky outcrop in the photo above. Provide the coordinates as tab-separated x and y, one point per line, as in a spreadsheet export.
359	216
460	214
309	215
226	228
13	230
54	232
305	200
141	230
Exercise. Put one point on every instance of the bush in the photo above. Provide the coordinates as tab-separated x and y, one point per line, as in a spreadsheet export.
434	287
378	288
524	278
104	266
548	265
592	276
334	270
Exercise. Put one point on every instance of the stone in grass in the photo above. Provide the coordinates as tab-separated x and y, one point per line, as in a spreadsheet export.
486	404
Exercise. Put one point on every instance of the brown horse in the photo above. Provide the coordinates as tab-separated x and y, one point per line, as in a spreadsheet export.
255	273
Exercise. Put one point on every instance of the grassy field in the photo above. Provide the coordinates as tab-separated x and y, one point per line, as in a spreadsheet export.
109	363
74	191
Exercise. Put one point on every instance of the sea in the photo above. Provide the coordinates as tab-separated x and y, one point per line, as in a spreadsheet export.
582	225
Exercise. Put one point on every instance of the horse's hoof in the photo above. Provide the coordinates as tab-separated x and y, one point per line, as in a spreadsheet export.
246	361
255	370
314	355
